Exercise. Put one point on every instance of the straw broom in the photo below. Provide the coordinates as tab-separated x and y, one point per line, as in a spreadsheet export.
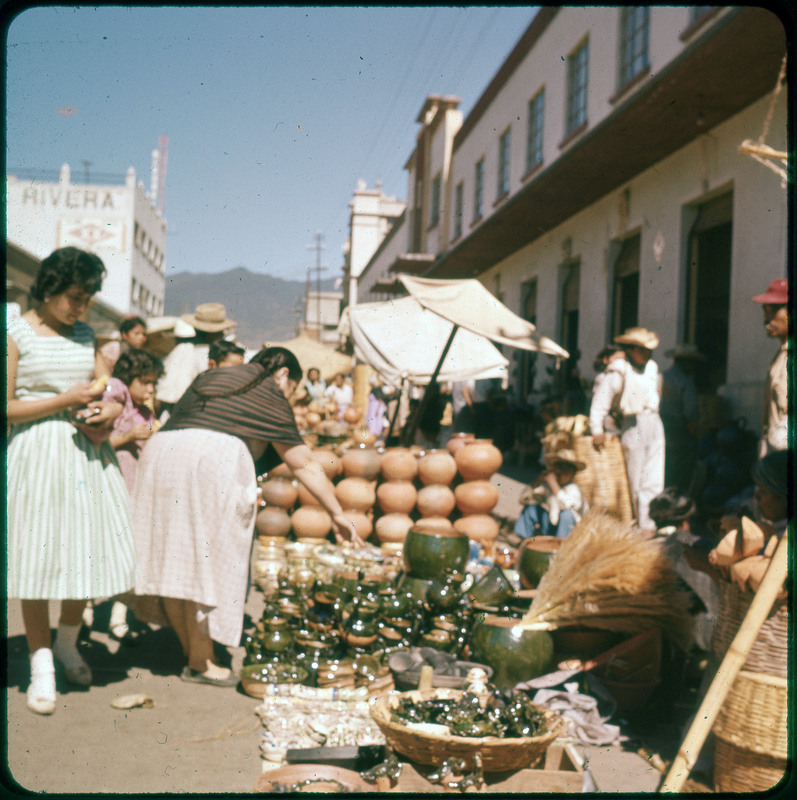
606	575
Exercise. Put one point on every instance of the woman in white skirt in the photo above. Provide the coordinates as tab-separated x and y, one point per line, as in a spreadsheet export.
69	527
194	503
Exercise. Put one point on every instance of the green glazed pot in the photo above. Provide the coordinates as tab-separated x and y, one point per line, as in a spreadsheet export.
428	553
415	587
515	655
533	558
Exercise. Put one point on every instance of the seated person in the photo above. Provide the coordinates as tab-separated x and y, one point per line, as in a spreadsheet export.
554	503
224	353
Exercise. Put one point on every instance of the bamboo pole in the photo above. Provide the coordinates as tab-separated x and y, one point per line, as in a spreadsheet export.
732	663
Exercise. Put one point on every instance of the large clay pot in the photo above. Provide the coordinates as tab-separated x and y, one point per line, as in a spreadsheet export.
280	471
481	528
356	493
435	524
397	496
363	523
435	500
306	497
476	497
361	462
398	464
458	441
311	522
279	492
329	460
352	414
429	553
478	459
533	558
273	522
393	528
514	654
437	467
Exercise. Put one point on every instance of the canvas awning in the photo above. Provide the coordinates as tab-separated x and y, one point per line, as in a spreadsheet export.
312	353
400	339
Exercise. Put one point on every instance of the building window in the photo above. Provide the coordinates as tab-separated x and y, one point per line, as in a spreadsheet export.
504	144
134	292
577	88
459	202
634	35
434	205
478	190
626	286
534	138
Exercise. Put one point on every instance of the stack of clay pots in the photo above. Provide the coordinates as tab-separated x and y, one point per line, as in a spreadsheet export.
396	495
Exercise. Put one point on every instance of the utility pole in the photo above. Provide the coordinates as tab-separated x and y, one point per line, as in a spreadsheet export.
318	247
86	165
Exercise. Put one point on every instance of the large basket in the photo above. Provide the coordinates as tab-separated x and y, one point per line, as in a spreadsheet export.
740	770
604	482
498	755
753	715
770	650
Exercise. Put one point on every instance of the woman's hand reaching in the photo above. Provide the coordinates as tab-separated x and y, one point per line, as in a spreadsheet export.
345	531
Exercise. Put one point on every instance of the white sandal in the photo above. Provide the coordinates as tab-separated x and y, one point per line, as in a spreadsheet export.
41	692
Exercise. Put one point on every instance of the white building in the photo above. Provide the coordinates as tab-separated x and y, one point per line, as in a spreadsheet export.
118	222
322	315
598	184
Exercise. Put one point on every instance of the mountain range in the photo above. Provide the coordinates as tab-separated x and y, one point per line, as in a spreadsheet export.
265	308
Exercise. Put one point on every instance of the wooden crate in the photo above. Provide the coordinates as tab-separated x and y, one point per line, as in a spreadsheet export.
560	771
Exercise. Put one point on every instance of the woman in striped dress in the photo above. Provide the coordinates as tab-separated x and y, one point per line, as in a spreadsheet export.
69	528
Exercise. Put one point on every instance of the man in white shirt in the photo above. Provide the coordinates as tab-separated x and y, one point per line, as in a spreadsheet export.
636	382
341	392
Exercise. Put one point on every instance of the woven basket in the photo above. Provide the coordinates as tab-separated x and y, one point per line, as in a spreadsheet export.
740	770
604	483
753	715
770	650
498	755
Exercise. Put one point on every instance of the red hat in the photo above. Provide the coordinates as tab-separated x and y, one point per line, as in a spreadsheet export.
777	293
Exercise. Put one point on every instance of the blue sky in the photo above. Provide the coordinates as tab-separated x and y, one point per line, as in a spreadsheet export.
272	113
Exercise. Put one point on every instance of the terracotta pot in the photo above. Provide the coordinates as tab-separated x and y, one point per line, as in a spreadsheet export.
361	462
435	500
435	524
514	654
352	414
476	497
458	441
428	553
478	460
397	496
393	528
273	522
313	418
362	435
437	467
280	471
279	492
398	464
363	523
356	493
311	522
533	558
329	461
481	528
306	497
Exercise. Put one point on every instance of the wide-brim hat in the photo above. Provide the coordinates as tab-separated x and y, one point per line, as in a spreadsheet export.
641	337
686	350
209	317
777	293
564	456
173	325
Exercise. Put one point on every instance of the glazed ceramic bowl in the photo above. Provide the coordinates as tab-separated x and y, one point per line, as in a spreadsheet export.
534	556
428	552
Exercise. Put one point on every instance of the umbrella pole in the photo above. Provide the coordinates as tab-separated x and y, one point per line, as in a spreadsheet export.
395	411
734	660
408	433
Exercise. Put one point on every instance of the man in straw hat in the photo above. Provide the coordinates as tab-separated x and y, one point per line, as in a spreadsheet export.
635	383
680	414
190	357
774	421
555	502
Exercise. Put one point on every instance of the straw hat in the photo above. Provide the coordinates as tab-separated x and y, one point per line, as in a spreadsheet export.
641	337
209	317
564	456
172	325
777	293
686	350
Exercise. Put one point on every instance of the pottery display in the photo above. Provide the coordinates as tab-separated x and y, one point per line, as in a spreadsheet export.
330	461
393	528
363	523
279	492
492	589
514	654
361	462
428	553
435	523
415	587
306	497
437	467
435	500
311	522
478	459
280	471
481	528
476	497
398	464
458	441
352	414
397	496
533	558
356	493
273	522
